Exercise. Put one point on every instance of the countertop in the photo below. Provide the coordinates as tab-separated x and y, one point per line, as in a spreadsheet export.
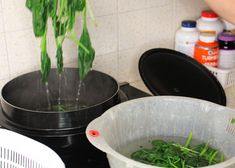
230	92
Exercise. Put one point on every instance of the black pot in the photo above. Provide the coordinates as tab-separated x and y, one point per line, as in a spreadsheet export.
24	100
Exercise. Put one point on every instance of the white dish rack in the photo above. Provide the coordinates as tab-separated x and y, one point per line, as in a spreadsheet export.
19	151
225	76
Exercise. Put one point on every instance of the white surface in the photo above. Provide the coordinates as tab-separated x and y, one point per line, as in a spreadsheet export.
22	152
159	116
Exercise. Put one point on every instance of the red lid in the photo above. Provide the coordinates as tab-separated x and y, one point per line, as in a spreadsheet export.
209	14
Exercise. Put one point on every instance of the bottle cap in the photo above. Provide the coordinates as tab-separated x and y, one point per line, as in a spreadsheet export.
207	38
209	14
189	24
226	36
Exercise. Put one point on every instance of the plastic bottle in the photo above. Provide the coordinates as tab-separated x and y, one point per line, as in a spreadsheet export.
207	50
227	50
210	23
186	37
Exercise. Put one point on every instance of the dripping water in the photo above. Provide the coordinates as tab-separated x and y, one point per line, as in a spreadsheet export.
59	96
48	95
78	92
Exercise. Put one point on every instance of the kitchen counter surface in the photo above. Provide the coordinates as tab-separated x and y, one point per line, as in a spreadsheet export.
230	92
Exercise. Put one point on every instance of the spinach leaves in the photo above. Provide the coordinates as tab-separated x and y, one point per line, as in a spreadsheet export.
85	58
175	155
63	15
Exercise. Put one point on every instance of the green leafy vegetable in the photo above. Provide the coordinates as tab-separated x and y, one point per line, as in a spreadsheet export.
59	56
29	4
63	15
175	155
40	16
85	59
45	60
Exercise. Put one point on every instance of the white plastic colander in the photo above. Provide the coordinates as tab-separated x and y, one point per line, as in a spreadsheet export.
18	151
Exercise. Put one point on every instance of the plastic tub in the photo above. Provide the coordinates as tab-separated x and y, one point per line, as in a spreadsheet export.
159	116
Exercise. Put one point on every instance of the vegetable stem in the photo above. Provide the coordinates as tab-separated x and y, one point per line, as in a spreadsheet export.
189	139
91	12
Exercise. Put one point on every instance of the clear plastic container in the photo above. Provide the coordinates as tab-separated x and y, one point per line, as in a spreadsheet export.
186	37
159	116
210	23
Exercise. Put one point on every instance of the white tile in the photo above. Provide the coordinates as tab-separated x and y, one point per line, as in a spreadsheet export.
16	15
3	82
158	3
72	64
70	51
104	7
159	25
1	23
104	36
130	5
23	52
128	64
132	29
188	9
4	66
0	6
108	64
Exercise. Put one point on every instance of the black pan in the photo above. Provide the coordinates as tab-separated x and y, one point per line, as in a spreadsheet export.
168	72
24	100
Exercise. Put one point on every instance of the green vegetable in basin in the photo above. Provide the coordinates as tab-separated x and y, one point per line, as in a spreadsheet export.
175	155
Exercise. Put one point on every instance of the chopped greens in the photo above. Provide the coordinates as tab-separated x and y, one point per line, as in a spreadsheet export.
63	15
175	155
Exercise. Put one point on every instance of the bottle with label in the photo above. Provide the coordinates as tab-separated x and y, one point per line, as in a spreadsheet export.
210	23
227	50
207	50
186	37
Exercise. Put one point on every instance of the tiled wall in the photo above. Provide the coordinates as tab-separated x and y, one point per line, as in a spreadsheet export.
126	28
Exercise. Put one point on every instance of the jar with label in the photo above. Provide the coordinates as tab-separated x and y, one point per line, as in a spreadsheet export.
227	50
207	50
186	37
210	23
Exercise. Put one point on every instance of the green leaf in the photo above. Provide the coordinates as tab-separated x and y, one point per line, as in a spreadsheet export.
59	27
45	60
59	57
85	59
79	5
52	7
45	66
39	10
189	139
71	19
29	4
